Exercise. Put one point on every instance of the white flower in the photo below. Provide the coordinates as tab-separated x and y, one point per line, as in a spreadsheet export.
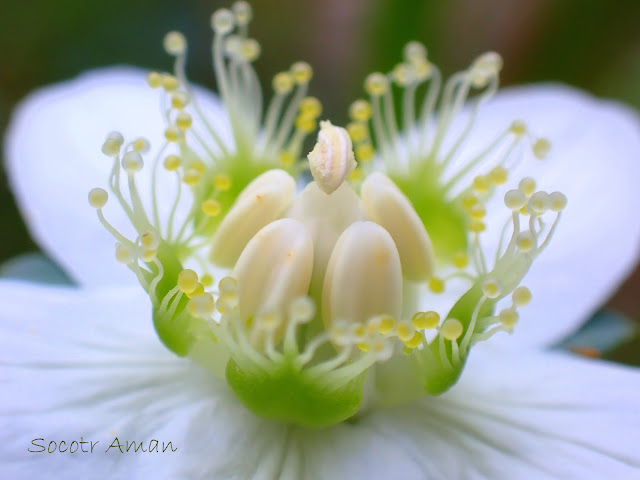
85	362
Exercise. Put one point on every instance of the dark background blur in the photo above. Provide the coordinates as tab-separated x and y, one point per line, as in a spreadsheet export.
592	44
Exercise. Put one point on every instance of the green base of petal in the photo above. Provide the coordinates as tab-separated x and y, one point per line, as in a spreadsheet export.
291	396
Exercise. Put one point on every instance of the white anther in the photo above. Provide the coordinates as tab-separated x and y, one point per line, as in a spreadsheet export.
98	197
302	309
521	296
201	305
518	128
283	83
415	52
243	12
250	50
539	202
222	21
174	43
381	348
132	162
141	145
557	201
124	254
332	159
526	241
376	84
515	199
149	240
112	145
485	67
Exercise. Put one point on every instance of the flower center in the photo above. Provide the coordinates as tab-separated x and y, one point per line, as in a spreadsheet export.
323	290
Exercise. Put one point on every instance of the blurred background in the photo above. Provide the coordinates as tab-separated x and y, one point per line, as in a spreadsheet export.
592	44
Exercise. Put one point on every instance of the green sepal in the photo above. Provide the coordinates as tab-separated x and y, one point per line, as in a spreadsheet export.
290	395
445	220
439	378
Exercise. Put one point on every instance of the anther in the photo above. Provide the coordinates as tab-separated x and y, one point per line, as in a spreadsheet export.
242	12
491	288
436	285
173	134
170	83
282	83
132	162
201	305
141	145
183	121
222	21
360	111
526	241
301	72
124	254
250	50
174	43
222	182
518	128
154	80
515	199
302	309
528	186
557	201
180	100
498	175
521	296
112	145
172	162
376	84
460	260
98	197
425	320
187	280
508	317
451	329
405	331
539	202
211	207
415	52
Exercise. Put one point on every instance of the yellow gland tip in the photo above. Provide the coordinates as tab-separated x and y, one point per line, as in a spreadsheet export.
173	134
526	241
124	254
478	212
364	152
172	162
491	288
426	320
499	175
436	285
521	296
481	184
211	207
132	162
170	83
180	100
376	84
283	83
415	341
183	121
518	128
360	111
477	226
541	148
405	331
460	260
508	317
191	177
154	79
301	72
528	186
98	197
311	106
451	329
222	182
187	280
207	280
141	145
174	43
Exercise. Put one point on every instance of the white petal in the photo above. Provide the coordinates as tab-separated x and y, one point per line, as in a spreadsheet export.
72	364
595	161
364	277
53	153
